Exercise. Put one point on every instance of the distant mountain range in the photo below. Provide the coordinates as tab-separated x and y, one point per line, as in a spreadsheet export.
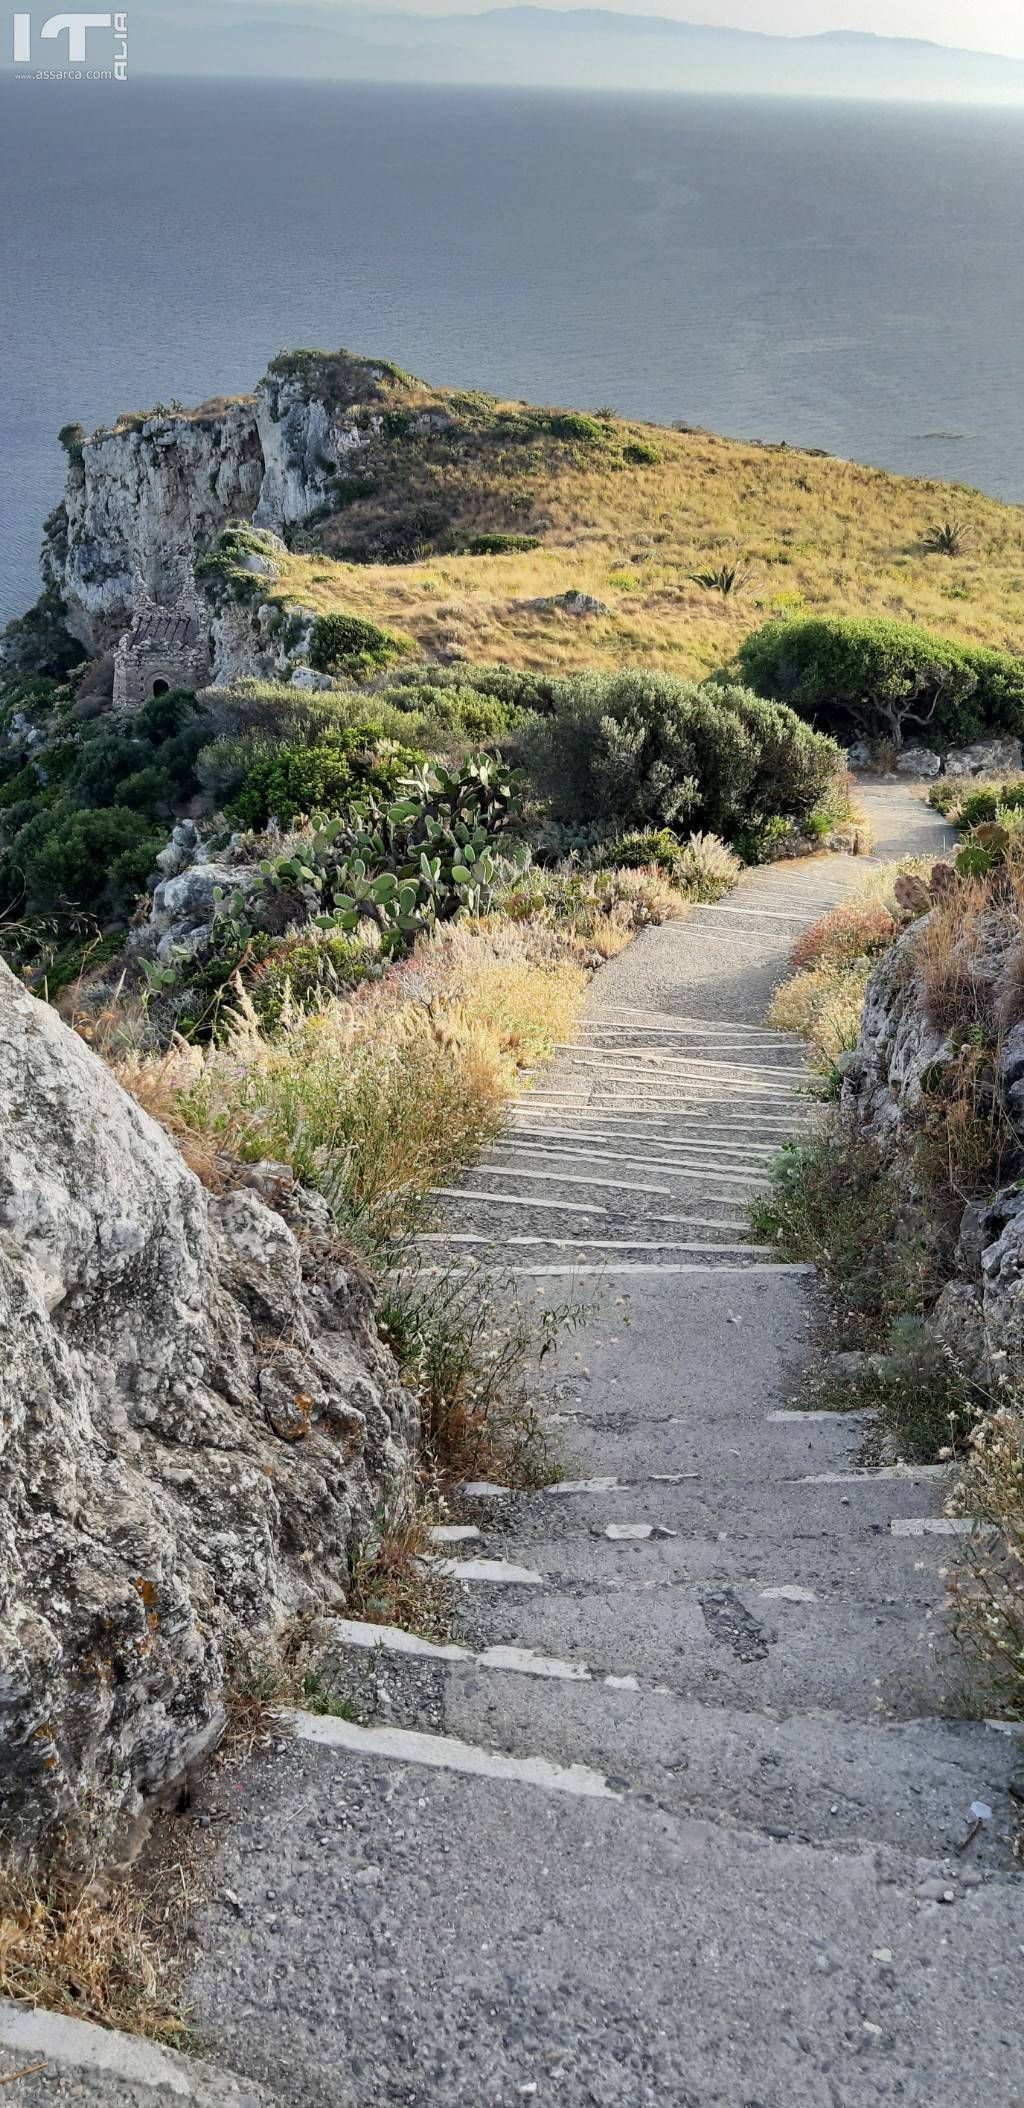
545	47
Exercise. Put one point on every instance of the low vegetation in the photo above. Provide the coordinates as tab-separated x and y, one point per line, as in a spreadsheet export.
465	517
881	1218
97	1950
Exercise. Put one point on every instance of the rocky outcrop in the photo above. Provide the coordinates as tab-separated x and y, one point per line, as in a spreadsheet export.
895	1047
197	1427
979	1317
143	498
987	757
137	501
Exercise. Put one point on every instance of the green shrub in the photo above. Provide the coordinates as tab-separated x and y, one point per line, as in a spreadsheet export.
575	424
39	642
82	859
876	678
701	866
978	806
461	712
501	544
632	852
512	686
641	750
945	794
641	453
222	568
307	969
328	776
349	644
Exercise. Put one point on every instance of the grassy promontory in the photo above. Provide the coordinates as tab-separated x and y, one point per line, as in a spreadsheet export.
481	509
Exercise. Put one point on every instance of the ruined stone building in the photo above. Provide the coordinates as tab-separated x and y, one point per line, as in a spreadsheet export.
165	648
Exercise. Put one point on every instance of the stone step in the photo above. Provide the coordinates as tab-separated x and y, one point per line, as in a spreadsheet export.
49	2056
401	1931
750	1446
548	1148
599	1211
727	1644
813	1776
745	1057
667	1131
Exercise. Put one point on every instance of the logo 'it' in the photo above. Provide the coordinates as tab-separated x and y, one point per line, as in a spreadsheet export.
76	27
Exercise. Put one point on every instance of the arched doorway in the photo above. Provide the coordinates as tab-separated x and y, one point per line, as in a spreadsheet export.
161	687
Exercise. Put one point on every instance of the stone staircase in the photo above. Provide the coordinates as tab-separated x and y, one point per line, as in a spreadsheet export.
695	1808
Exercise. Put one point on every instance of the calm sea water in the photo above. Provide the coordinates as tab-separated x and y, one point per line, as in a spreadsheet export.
845	276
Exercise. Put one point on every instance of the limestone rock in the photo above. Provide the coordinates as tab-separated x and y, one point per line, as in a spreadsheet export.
987	757
155	1512
571	603
895	1046
137	501
306	677
1010	1075
919	761
860	755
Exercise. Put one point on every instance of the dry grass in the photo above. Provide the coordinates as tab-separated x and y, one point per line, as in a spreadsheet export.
378	1099
820	535
844	934
987	1585
391	1583
97	1950
470	1348
952	961
823	1004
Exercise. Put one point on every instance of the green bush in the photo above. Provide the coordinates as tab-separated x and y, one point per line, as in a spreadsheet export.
328	776
512	686
877	679
349	644
641	453
85	859
501	544
633	852
701	866
307	969
39	642
575	424
646	750
461	712
978	806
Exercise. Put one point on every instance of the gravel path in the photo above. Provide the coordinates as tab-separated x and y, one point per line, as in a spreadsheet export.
689	1813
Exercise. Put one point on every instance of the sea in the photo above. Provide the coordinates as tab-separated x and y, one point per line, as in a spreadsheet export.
846	276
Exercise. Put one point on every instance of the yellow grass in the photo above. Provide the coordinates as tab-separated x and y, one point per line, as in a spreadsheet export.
97	1951
380	1098
823	1005
821	536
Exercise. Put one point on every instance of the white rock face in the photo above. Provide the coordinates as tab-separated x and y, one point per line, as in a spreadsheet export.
197	1422
987	757
979	1317
896	1044
302	447
137	501
919	761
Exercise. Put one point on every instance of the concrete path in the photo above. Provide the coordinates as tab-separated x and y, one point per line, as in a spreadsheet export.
691	1813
